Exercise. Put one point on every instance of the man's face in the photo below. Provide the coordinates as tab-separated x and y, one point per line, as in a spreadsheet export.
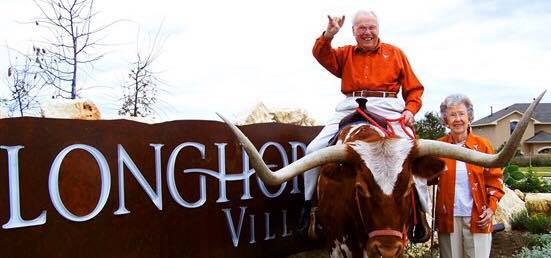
366	32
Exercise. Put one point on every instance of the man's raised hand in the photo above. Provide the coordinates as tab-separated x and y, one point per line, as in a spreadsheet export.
333	26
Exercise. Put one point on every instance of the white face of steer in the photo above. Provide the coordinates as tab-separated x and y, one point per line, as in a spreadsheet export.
384	159
380	189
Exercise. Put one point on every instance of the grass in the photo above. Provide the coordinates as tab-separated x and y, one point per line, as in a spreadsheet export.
540	171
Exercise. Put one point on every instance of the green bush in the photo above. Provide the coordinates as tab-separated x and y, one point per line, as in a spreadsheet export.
539	224
536	252
527	182
519	220
534	160
536	224
534	240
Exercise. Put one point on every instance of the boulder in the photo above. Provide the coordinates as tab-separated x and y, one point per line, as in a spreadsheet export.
538	203
70	109
520	194
509	204
293	116
258	114
262	114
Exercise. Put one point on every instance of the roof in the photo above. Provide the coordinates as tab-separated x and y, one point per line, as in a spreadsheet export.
541	136
542	113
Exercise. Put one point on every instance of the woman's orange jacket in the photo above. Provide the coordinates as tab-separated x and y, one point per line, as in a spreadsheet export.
486	187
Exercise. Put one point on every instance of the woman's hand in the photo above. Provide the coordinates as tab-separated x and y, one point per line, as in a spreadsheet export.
485	218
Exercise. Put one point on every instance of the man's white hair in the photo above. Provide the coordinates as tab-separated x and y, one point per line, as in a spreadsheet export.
368	13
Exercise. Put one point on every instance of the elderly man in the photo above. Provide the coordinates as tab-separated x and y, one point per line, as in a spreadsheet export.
370	69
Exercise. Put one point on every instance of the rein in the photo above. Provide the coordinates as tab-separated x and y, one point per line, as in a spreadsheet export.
388	131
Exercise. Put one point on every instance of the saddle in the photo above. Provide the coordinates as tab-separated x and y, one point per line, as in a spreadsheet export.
357	118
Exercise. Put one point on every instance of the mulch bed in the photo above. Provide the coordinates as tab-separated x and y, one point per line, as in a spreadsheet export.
507	243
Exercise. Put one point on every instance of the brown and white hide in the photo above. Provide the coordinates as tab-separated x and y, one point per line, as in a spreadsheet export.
371	191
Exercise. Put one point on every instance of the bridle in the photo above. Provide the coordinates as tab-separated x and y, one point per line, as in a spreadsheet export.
389	131
387	231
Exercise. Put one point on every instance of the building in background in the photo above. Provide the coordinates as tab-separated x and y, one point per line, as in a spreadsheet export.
498	126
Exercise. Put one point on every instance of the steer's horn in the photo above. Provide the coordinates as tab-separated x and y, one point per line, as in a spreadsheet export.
335	153
441	149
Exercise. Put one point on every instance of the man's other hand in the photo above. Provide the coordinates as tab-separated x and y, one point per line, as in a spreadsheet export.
408	118
333	26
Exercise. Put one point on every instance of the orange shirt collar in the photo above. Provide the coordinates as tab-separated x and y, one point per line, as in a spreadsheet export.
470	142
358	49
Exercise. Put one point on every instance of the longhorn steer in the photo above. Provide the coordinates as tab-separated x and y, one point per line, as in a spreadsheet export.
366	183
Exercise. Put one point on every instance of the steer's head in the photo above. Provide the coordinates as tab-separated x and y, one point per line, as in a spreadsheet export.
375	186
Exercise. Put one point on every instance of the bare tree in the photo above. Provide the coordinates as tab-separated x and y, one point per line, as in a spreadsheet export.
141	89
24	80
71	43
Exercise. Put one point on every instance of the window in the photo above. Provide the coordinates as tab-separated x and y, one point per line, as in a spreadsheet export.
512	126
546	150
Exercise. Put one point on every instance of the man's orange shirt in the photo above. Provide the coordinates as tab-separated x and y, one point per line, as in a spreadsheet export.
384	69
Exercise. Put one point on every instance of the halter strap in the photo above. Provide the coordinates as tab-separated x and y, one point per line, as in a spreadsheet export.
385	232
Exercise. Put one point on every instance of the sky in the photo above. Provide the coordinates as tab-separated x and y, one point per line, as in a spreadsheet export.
227	56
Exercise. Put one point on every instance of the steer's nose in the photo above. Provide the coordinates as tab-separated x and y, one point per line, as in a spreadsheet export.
390	250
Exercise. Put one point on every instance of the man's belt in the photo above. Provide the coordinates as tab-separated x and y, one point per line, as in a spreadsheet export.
371	93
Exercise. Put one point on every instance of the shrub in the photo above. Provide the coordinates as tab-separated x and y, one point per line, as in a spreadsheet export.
539	224
534	160
538	251
519	220
536	224
527	182
538	240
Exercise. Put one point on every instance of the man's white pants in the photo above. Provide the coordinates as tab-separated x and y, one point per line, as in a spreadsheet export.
462	243
390	108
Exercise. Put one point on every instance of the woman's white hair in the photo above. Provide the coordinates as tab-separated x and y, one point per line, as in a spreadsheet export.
453	100
368	13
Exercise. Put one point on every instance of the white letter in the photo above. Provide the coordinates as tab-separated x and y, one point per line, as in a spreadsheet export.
124	159
235	235
267	226
253	240
285	233
54	177
294	155
15	220
172	182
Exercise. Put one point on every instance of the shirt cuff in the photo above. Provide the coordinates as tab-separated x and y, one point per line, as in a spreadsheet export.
322	37
413	107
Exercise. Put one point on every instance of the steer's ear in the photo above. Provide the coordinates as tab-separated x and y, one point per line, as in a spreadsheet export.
427	167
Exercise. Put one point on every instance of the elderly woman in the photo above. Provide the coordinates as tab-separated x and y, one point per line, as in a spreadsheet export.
467	194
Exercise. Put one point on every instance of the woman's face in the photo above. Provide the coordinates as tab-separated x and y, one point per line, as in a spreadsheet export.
457	119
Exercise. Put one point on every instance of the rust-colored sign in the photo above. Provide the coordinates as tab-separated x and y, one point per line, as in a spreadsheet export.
72	188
